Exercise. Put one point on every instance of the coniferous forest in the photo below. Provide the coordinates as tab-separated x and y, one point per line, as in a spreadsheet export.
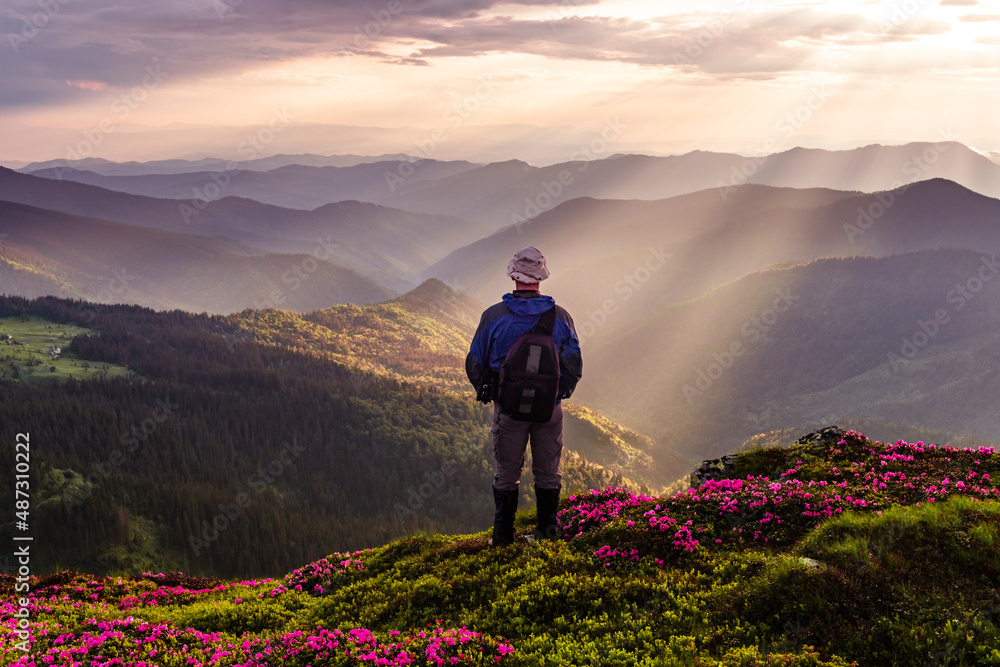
220	455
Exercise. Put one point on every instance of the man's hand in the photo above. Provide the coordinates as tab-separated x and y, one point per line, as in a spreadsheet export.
486	389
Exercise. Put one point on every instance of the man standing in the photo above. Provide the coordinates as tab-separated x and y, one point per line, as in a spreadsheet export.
501	326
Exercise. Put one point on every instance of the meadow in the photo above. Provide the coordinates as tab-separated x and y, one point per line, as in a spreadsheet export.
835	551
26	346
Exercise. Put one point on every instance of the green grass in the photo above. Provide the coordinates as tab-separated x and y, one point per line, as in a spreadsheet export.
876	580
27	357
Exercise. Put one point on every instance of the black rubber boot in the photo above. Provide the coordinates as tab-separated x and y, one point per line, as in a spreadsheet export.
548	505
503	520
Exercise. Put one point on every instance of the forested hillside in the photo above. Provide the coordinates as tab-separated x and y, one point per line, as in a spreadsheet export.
226	455
423	337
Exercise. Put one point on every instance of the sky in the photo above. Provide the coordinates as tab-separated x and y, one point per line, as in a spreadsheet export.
152	79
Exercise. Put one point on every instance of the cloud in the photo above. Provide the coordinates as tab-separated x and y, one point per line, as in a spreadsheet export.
979	18
88	85
754	45
113	41
959	3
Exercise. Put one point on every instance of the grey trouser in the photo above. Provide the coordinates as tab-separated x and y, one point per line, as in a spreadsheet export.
510	439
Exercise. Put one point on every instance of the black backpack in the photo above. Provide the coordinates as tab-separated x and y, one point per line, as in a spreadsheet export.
529	374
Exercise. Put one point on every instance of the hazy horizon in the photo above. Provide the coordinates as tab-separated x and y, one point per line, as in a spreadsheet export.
560	148
487	81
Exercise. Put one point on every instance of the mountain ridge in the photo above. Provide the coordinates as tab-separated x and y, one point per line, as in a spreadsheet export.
179	165
92	258
499	193
384	244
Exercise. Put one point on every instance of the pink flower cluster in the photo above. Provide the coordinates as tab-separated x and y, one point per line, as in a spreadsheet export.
166	596
596	507
607	555
855	474
131	641
435	646
101	639
684	540
325	573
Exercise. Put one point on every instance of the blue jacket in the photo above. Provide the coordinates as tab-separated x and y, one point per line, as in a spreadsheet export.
503	323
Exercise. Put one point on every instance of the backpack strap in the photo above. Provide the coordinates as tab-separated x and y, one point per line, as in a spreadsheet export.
547	323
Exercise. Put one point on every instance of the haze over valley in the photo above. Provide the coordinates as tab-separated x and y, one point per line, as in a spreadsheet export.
710	308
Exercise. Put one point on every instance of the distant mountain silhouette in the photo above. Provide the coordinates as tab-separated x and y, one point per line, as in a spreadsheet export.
647	254
877	167
109	168
50	253
387	245
289	186
507	193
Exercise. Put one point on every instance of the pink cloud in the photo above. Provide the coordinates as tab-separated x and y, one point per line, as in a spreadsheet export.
88	85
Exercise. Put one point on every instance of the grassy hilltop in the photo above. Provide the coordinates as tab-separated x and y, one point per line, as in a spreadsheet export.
836	550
